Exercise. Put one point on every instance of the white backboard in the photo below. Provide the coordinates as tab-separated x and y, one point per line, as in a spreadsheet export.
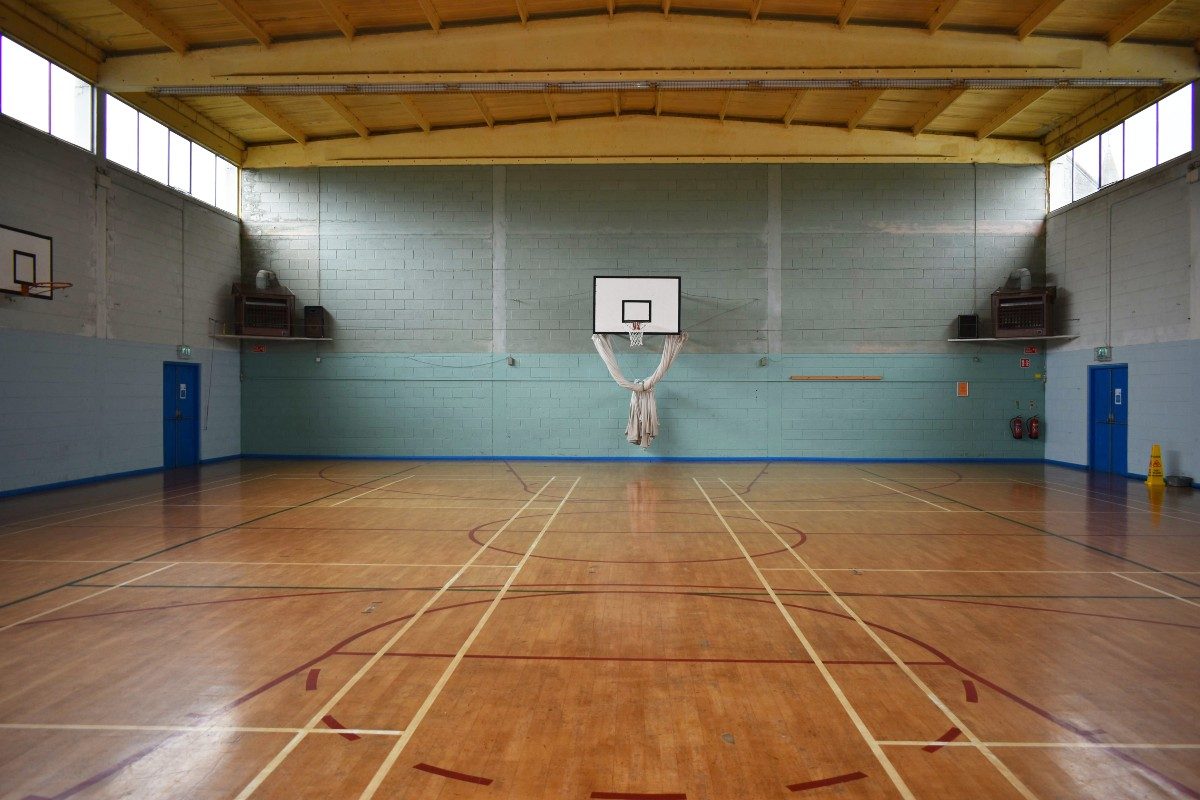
619	300
25	257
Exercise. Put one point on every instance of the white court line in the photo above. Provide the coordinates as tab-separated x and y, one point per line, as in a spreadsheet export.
1156	589
1054	745
255	563
863	731
1130	506
974	571
1000	766
364	494
432	697
897	491
126	508
23	726
86	597
329	705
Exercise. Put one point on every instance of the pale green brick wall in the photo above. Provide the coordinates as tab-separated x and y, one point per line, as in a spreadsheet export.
873	264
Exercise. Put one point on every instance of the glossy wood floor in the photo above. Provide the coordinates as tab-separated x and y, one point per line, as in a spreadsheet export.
601	630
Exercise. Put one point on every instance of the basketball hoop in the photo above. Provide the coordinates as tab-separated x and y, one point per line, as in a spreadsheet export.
635	333
42	288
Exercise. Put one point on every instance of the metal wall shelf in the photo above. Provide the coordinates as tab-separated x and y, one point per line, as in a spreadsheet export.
269	338
1064	338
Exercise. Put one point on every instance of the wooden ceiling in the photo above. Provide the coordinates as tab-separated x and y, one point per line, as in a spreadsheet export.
301	82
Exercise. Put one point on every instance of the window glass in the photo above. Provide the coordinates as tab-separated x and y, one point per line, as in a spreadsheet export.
1112	156
1086	174
1175	125
152	148
24	85
70	108
1141	141
204	169
227	186
120	133
1060	181
180	157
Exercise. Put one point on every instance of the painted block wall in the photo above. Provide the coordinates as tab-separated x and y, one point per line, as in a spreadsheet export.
434	275
81	375
1125	261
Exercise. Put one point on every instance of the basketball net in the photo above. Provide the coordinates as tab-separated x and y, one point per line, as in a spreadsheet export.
635	334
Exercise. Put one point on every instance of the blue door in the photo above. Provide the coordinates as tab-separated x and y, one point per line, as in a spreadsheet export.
181	417
1108	418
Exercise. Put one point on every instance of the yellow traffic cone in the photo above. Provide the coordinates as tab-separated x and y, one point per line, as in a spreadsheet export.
1154	474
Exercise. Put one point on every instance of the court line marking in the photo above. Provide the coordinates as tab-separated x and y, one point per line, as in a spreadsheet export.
1156	589
86	597
448	672
885	486
847	706
125	508
1055	745
33	726
980	571
1127	505
332	702
1000	766
376	489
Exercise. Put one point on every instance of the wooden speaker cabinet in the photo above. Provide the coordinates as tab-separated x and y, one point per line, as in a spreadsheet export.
1023	313
262	312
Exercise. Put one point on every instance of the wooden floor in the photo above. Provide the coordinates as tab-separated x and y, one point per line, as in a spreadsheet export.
569	630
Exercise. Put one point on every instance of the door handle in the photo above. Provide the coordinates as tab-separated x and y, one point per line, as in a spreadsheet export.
1111	419
178	415
183	391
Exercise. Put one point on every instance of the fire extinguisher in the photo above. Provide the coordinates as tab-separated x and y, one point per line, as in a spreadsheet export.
1017	426
1035	427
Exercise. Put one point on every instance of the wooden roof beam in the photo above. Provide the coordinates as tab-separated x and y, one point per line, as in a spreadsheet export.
1037	17
844	15
431	14
755	7
1022	103
52	39
666	8
522	12
872	99
351	119
793	108
415	112
248	22
335	13
1136	20
927	119
483	110
550	109
939	16
725	105
612	7
616	104
185	119
277	119
657	102
143	16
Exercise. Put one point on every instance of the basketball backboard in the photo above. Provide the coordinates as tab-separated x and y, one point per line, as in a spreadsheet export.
619	301
26	258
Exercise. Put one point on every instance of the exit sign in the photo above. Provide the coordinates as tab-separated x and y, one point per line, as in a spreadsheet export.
1024	363
1104	354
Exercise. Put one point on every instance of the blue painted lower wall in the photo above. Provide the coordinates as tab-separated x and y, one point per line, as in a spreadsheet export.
710	406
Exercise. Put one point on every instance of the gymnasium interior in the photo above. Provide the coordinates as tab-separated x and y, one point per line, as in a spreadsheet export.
693	400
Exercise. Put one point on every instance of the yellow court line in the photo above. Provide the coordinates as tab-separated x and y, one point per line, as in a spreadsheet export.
33	726
1156	589
1000	766
86	597
329	705
432	697
885	486
847	706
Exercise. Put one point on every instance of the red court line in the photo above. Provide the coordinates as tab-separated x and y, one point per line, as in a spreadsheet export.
804	787
638	796
948	736
972	693
449	773
330	722
310	685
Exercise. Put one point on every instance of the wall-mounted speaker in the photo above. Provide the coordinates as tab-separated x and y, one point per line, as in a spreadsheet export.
968	326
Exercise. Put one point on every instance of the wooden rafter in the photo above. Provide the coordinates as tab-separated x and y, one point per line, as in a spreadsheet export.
348	115
944	10
755	7
149	20
339	17
522	11
248	22
187	120
1136	20
50	38
415	112
612	7
844	15
1037	17
616	104
666	8
550	109
868	104
725	105
483	110
793	108
928	117
1025	101
431	14
657	102
277	119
